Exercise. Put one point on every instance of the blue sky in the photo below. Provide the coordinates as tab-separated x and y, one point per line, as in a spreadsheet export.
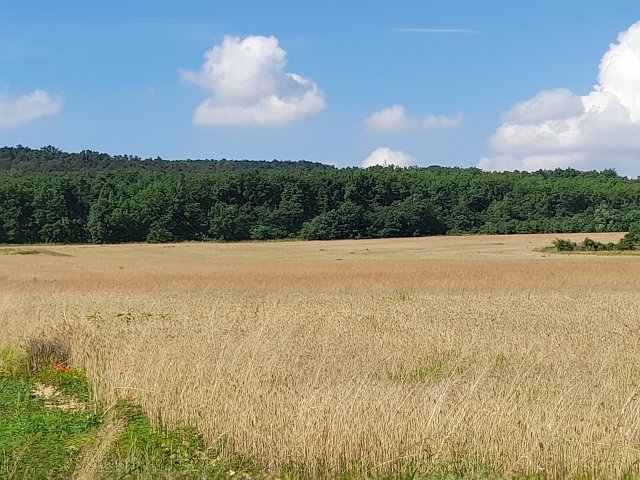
495	84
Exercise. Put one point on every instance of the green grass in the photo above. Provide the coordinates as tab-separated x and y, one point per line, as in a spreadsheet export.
428	371
37	441
142	452
14	363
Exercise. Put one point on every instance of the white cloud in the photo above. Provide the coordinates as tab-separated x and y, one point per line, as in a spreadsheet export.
547	105
249	85
385	156
395	118
529	163
24	109
559	129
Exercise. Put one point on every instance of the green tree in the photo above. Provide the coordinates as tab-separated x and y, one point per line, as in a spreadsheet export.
347	221
229	223
413	216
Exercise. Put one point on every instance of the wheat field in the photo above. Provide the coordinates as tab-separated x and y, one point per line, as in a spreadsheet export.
374	356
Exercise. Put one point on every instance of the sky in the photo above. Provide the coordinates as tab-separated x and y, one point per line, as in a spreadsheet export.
488	83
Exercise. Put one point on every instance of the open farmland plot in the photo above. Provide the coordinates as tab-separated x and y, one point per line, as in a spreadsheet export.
373	356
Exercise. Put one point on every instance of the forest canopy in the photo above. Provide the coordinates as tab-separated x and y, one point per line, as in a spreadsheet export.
48	195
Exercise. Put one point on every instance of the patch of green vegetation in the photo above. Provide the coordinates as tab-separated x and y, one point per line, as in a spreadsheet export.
142	452
38	439
131	316
460	470
425	372
14	363
435	370
403	297
500	359
630	243
467	468
70	383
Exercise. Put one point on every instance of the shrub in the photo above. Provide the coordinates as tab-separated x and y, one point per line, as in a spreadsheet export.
564	245
266	232
159	234
589	245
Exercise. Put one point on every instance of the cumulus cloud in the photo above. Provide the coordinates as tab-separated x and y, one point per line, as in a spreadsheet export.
249	86
26	108
556	104
385	156
395	118
559	129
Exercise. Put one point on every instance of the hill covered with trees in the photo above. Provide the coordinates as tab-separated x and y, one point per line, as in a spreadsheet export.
50	159
50	196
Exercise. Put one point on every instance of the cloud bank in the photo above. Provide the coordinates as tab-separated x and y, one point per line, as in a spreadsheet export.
385	156
26	108
559	129
249	86
395	118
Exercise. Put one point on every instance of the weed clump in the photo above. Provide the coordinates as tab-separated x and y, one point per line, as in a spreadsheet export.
44	352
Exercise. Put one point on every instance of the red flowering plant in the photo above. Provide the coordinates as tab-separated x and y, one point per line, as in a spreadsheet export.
61	367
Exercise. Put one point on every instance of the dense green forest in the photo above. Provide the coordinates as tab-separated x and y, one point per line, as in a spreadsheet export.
50	159
50	196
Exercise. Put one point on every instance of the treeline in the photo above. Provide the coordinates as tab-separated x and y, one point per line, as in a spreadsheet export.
51	159
133	205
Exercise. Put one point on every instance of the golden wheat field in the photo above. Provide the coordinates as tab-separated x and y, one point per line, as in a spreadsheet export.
378	355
